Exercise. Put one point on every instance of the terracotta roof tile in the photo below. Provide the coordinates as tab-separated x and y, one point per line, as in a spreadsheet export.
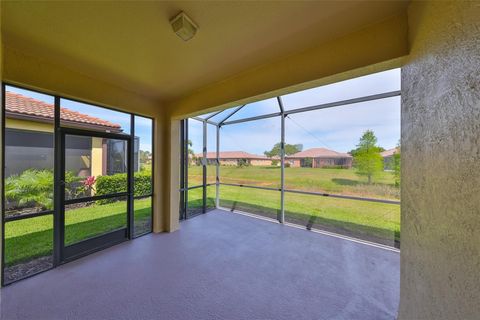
389	152
319	153
20	104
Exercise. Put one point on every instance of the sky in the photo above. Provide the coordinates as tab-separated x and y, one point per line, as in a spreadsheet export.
337	128
143	126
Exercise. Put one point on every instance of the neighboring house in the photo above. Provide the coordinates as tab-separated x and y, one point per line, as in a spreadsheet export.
29	140
234	158
318	158
387	156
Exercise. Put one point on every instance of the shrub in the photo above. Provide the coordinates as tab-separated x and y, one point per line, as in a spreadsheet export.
35	187
30	187
118	183
335	166
241	163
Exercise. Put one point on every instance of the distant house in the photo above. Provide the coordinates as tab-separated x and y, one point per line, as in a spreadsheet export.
29	140
319	158
387	156
234	158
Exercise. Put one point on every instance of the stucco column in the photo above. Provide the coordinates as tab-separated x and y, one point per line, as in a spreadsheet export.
440	253
174	147
97	165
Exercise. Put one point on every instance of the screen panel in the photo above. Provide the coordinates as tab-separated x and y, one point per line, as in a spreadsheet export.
211	153
265	203
29	152
93	218
143	179
94	166
142	210
346	150
249	153
371	221
257	108
195	153
28	247
85	116
371	84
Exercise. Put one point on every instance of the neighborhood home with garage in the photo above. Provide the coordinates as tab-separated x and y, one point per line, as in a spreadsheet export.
236	158
389	157
319	158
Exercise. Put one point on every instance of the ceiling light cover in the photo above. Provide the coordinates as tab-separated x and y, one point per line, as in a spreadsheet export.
183	26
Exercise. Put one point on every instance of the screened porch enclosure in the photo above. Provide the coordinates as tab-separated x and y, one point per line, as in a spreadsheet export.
326	158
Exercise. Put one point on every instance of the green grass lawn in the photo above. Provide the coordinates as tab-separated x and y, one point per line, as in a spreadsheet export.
339	181
378	222
31	238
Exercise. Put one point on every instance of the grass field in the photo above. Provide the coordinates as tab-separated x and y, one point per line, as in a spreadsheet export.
378	222
31	238
340	181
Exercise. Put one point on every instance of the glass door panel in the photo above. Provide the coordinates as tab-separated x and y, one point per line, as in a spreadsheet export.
94	166
95	200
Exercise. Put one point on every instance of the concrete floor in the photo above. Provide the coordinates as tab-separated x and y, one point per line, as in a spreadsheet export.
218	266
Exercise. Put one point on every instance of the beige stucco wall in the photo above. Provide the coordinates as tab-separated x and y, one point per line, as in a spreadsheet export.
28	125
97	157
440	254
260	162
229	162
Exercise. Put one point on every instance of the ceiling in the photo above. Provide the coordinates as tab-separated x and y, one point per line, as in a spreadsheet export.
132	45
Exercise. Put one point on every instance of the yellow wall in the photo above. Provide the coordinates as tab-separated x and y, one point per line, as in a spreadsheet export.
97	157
28	125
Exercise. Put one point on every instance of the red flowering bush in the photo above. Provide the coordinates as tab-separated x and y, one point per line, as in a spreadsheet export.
89	184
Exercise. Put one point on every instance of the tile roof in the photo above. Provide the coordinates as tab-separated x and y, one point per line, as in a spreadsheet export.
234	155
319	153
19	104
389	152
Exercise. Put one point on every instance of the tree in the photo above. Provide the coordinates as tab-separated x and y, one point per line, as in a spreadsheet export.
289	150
191	154
145	156
354	151
366	157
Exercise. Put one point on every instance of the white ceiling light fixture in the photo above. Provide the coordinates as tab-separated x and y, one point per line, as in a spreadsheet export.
183	26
